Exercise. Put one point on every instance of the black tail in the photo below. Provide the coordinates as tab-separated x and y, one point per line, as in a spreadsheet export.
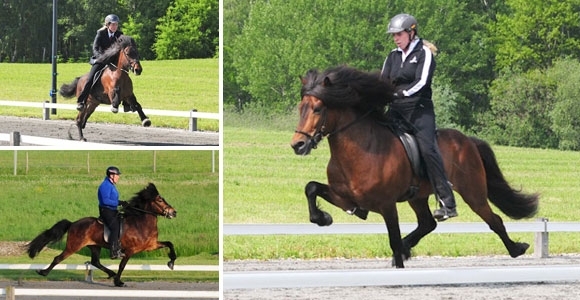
513	203
54	234
69	90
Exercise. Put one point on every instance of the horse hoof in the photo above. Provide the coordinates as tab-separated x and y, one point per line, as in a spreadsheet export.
146	123
114	110
41	272
519	249
170	265
119	283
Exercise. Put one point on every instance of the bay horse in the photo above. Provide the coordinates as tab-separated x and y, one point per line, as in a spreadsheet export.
139	233
369	170
114	85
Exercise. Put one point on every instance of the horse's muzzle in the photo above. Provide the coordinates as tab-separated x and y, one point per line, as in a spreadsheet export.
171	213
302	147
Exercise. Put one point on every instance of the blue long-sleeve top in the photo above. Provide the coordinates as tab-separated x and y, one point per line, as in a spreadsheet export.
108	195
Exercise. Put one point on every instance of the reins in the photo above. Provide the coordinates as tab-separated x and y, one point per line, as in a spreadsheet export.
319	133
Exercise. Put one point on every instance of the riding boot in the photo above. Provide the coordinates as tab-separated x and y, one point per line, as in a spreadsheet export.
116	251
444	195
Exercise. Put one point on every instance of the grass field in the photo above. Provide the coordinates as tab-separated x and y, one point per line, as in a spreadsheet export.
168	85
52	185
264	183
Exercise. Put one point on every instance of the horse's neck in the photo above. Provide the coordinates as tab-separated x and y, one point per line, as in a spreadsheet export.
361	136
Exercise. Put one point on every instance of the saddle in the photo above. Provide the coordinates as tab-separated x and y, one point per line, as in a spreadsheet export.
107	230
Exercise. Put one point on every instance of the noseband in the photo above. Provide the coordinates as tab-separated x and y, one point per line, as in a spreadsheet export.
319	133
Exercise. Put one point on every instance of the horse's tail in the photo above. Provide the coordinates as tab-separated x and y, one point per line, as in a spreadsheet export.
513	203
69	90
54	234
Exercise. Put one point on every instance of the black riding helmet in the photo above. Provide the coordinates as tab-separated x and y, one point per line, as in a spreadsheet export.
113	170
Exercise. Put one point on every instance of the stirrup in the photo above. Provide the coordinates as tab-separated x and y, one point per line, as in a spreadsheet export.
80	106
443	213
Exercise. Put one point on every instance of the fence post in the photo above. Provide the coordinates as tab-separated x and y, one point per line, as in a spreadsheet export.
10	294
192	120
45	111
541	248
15	138
88	272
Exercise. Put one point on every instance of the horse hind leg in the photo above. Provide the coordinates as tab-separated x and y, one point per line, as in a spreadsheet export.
68	251
96	260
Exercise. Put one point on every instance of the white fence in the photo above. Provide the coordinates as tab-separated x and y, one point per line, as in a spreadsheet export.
193	114
11	292
541	228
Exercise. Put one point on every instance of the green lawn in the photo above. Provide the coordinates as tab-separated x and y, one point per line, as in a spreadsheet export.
167	85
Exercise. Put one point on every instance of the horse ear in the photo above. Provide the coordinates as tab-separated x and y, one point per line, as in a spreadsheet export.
327	81
303	80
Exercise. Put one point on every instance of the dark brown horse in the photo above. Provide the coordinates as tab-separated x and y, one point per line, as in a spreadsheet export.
114	86
369	169
139	233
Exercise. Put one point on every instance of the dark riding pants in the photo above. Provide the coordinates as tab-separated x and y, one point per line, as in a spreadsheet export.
110	218
420	116
88	84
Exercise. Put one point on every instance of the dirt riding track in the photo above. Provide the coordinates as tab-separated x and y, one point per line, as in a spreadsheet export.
115	134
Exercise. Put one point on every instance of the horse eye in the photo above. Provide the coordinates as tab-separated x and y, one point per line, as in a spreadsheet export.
317	110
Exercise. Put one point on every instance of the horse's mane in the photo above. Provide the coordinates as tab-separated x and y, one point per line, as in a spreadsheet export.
111	54
348	87
145	195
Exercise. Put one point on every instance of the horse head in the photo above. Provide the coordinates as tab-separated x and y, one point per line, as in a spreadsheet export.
150	201
130	55
334	100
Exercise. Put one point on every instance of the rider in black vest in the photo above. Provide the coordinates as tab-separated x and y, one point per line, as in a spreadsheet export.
106	36
410	66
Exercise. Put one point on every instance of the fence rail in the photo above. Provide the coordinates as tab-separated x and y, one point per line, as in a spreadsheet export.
541	227
193	114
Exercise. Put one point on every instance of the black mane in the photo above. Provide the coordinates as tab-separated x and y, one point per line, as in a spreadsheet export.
141	198
348	87
112	54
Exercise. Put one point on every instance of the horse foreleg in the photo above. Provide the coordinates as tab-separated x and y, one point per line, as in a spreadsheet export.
391	217
115	100
122	264
96	260
144	119
425	224
172	254
317	216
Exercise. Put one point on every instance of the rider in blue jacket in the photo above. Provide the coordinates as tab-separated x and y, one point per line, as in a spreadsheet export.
108	203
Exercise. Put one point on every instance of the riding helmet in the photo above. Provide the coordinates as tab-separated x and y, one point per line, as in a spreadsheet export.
113	170
111	19
402	22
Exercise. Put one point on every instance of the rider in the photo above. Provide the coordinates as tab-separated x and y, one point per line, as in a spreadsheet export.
106	36
410	67
108	203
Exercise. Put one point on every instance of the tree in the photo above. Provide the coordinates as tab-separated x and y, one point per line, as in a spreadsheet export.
564	116
534	32
188	30
520	110
281	40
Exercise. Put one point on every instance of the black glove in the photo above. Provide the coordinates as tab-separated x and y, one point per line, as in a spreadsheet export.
398	94
123	203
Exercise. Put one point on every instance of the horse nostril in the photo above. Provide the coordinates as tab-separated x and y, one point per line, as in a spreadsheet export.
298	147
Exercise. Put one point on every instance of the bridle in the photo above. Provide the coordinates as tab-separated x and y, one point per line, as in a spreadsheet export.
320	133
165	211
131	62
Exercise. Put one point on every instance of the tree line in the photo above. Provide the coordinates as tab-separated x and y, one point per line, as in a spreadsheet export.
506	71
163	29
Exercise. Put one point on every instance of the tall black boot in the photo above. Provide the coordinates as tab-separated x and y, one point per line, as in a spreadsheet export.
446	199
116	250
